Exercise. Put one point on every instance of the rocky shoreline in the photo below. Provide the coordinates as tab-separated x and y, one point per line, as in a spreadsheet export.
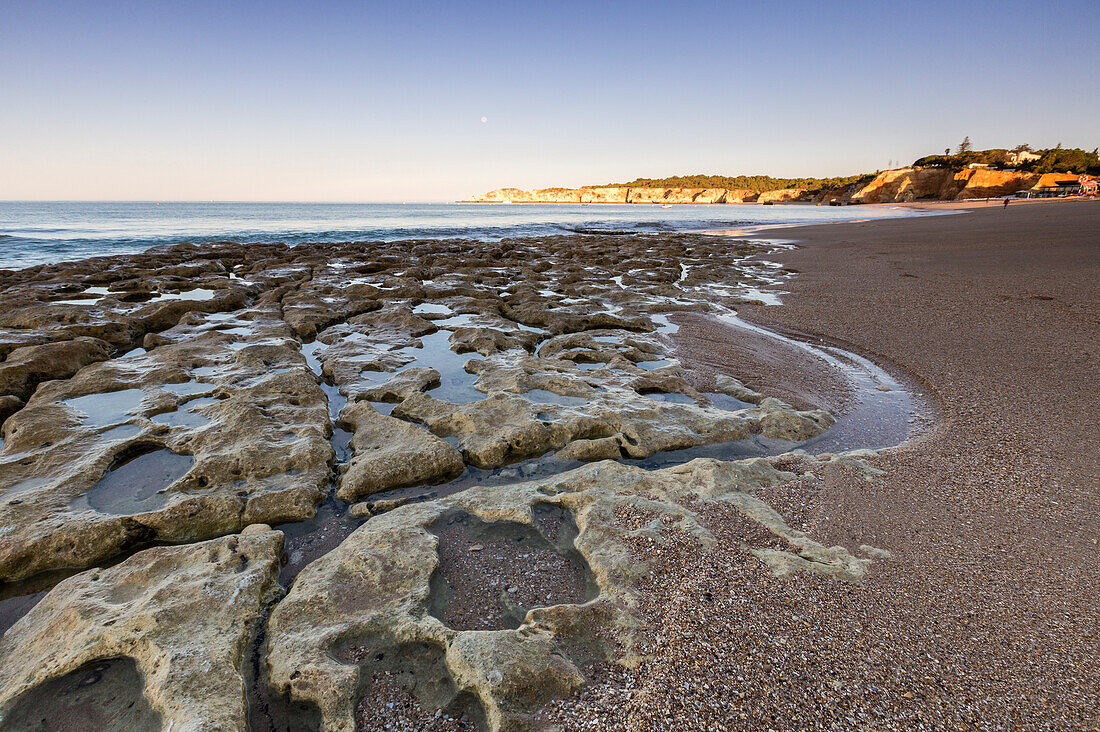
985	616
441	433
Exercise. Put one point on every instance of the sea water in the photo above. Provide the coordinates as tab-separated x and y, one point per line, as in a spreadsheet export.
43	232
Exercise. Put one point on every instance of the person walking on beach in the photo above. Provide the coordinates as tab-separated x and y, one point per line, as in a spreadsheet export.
1006	203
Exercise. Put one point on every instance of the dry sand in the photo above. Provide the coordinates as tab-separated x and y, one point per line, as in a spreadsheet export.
986	615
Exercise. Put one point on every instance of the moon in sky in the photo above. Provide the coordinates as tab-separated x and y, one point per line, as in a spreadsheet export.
484	119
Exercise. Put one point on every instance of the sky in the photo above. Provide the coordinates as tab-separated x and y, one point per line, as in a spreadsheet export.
414	101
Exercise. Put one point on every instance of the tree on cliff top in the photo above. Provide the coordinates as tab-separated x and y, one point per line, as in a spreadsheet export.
964	146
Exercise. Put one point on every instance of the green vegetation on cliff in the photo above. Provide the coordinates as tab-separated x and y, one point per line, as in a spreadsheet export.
1053	160
756	183
996	156
1060	160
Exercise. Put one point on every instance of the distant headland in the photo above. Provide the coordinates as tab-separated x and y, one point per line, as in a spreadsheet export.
965	175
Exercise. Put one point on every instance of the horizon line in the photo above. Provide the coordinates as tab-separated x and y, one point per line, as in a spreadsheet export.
205	200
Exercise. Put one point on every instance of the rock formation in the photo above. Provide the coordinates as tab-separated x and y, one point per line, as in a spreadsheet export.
943	184
239	413
374	606
623	194
190	393
391	453
534	405
890	186
184	616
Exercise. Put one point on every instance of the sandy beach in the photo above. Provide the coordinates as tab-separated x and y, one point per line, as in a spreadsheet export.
985	615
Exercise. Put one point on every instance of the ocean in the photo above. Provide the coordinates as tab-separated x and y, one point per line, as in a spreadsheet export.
39	232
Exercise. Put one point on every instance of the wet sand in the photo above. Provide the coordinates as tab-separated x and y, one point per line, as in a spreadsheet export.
761	363
986	614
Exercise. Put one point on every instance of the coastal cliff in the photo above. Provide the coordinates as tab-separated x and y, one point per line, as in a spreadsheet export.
890	186
945	184
624	194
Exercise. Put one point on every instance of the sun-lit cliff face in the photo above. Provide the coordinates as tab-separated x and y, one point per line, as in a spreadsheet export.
944	184
890	186
623	194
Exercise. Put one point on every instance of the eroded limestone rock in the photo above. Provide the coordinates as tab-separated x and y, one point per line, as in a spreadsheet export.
535	405
25	367
9	405
184	615
732	387
603	346
199	437
391	453
225	413
398	387
375	602
357	354
322	301
490	341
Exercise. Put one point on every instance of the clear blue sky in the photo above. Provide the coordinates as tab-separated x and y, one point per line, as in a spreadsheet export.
361	101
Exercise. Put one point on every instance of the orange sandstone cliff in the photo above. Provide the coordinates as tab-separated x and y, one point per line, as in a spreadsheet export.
890	186
623	194
944	184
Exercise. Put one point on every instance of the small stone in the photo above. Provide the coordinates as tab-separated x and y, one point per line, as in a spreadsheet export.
255	529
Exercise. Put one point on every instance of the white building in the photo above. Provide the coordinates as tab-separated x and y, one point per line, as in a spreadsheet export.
1024	156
